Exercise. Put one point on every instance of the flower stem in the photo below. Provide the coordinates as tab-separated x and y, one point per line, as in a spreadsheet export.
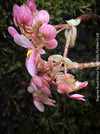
67	44
84	65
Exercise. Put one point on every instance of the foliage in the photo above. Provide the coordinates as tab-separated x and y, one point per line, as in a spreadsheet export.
17	113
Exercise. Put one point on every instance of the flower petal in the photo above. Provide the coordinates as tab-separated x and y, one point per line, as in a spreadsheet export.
74	22
42	51
31	5
12	31
30	89
45	90
22	41
30	64
52	44
39	105
37	81
77	97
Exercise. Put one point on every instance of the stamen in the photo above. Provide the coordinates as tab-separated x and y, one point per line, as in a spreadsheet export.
29	53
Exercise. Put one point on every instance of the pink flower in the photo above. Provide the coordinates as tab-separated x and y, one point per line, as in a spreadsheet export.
24	42
31	4
22	15
67	83
77	97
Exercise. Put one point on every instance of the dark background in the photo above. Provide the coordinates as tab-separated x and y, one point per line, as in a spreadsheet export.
17	112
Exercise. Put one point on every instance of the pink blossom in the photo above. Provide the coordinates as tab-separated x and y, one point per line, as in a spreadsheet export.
23	15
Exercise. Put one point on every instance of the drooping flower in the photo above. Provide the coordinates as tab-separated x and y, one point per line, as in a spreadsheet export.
22	15
40	93
67	84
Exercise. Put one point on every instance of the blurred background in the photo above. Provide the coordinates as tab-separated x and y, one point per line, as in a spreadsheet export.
17	112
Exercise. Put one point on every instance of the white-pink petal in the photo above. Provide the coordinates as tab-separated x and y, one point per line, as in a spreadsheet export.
37	81
22	41
39	105
77	97
33	85
42	51
45	90
30	64
30	89
12	31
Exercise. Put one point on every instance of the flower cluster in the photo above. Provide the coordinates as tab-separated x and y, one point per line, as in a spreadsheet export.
37	33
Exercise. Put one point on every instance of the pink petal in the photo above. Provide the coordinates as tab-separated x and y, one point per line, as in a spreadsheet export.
52	44
31	5
45	90
80	85
77	97
49	102
22	41
12	31
43	16
37	81
33	85
64	88
44	82
49	31
42	51
36	59
39	105
30	64
15	10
